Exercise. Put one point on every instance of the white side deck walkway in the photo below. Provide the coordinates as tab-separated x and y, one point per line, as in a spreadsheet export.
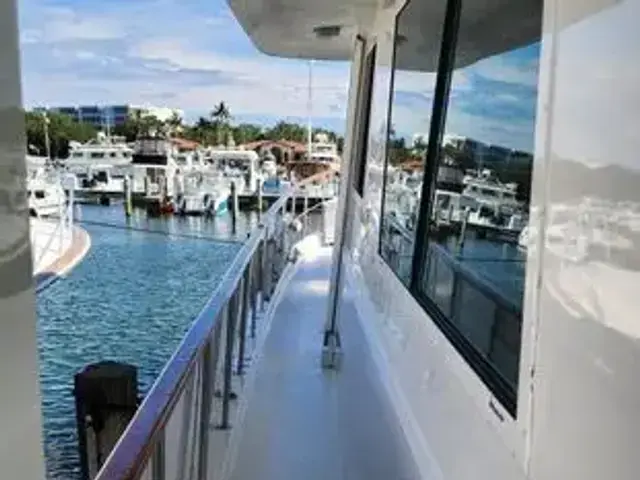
303	422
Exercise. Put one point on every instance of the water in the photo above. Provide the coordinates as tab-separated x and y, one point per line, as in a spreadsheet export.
131	299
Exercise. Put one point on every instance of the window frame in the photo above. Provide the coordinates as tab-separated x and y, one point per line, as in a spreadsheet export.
365	94
506	394
392	81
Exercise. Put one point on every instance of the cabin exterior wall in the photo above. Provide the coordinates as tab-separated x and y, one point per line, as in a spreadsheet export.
578	393
20	432
440	402
455	426
585	418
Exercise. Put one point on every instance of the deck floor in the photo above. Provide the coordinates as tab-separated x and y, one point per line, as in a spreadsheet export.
303	422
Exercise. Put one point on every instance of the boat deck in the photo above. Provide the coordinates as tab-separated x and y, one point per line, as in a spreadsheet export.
304	422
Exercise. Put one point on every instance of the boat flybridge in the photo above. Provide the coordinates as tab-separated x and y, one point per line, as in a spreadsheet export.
396	356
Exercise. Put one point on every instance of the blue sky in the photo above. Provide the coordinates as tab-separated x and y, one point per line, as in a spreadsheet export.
493	100
192	54
187	54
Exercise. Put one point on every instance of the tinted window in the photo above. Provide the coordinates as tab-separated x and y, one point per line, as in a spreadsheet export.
416	52
475	247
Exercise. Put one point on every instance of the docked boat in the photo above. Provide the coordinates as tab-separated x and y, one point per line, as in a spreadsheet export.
153	167
45	193
99	166
196	194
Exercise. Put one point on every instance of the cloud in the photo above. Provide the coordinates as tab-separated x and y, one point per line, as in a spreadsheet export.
188	54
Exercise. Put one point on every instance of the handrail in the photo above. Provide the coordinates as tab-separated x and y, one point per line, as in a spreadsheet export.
234	302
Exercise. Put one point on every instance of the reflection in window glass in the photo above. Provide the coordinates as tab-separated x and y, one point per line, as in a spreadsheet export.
416	51
475	268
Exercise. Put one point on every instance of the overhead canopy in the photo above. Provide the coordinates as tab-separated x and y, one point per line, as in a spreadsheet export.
288	28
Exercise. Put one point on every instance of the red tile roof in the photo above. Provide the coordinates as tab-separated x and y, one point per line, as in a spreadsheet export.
184	143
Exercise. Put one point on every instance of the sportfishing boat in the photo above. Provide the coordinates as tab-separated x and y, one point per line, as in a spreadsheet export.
45	193
334	355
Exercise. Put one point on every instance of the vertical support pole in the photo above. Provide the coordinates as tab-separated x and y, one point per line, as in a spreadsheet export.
259	198
205	411
261	272
227	394
127	196
306	209
234	206
157	467
463	229
246	285
266	267
254	293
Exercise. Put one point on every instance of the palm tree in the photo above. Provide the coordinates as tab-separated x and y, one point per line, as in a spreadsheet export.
220	117
174	122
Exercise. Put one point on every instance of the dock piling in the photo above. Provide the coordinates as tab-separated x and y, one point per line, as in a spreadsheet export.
106	398
234	206
127	196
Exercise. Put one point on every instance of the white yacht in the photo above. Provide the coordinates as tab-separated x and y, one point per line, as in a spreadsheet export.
235	165
153	166
99	165
198	194
327	356
323	150
485	189
45	193
104	149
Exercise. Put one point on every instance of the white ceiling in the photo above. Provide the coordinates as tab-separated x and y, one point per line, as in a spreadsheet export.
286	27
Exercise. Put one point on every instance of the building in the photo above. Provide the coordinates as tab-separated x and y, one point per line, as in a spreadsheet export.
112	115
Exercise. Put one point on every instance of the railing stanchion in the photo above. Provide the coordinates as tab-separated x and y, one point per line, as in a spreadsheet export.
254	292
157	466
243	319
205	410
232	312
261	271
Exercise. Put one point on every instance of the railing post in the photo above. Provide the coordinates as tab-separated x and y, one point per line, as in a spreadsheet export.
267	271
205	411
243	319
254	292
185	427
232	313
260	269
157	467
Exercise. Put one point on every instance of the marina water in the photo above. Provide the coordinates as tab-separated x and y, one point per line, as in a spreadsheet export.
131	300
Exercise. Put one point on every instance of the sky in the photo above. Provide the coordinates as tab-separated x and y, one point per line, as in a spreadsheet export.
186	54
192	54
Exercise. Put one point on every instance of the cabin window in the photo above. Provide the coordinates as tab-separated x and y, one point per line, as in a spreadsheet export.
470	269
364	106
96	155
415	64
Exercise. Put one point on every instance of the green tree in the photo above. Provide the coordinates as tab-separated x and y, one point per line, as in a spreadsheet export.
61	128
220	117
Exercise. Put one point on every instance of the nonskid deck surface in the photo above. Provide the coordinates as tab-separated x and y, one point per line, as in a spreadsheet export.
303	422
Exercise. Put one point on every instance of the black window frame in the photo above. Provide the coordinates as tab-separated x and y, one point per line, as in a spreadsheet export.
503	391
